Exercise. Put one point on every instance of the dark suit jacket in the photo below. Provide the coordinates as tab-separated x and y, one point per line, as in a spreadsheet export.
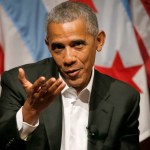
113	113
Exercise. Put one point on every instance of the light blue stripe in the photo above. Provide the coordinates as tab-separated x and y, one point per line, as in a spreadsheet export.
127	8
29	18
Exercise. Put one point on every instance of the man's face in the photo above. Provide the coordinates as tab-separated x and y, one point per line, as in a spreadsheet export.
73	50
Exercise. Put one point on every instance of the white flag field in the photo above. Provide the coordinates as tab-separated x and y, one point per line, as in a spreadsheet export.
125	55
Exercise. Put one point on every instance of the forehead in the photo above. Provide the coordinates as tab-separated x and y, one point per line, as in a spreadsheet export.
74	28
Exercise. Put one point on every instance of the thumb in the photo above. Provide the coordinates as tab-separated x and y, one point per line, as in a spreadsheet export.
21	76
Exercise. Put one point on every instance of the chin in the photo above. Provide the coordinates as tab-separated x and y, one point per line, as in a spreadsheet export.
74	85
77	85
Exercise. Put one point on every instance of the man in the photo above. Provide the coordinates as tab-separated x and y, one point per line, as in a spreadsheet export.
62	102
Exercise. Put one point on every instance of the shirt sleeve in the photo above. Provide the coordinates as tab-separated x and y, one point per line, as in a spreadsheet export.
24	128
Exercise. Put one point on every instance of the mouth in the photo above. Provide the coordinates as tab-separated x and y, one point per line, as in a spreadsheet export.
72	73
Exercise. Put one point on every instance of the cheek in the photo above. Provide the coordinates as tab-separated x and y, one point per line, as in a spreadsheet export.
87	61
90	58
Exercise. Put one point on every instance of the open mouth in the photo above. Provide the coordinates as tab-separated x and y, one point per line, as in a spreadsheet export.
73	72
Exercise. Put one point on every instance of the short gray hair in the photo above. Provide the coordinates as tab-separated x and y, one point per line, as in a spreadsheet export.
69	11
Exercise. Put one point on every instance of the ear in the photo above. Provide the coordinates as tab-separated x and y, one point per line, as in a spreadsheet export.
46	41
100	40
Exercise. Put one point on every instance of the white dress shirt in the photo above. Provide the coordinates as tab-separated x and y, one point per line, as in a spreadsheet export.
75	118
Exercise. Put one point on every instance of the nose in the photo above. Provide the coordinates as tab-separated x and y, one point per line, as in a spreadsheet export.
69	57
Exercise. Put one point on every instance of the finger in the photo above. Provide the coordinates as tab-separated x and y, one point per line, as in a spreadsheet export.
55	86
44	88
22	78
59	88
36	87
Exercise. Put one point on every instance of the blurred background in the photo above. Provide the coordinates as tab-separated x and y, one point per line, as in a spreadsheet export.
125	55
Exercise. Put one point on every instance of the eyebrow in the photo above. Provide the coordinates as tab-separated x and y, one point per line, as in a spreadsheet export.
75	42
72	43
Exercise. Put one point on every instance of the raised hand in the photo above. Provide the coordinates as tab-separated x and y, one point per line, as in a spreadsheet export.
39	95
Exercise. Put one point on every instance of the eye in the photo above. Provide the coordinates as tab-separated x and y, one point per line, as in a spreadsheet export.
57	47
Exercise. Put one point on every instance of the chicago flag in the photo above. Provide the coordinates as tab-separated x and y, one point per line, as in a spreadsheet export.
125	55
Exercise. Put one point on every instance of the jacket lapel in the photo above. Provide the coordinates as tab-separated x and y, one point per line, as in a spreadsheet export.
100	113
52	117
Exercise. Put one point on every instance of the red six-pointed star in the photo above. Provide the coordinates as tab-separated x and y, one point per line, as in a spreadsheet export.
119	71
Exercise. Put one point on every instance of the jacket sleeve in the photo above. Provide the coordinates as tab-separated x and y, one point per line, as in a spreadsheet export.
10	102
130	133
